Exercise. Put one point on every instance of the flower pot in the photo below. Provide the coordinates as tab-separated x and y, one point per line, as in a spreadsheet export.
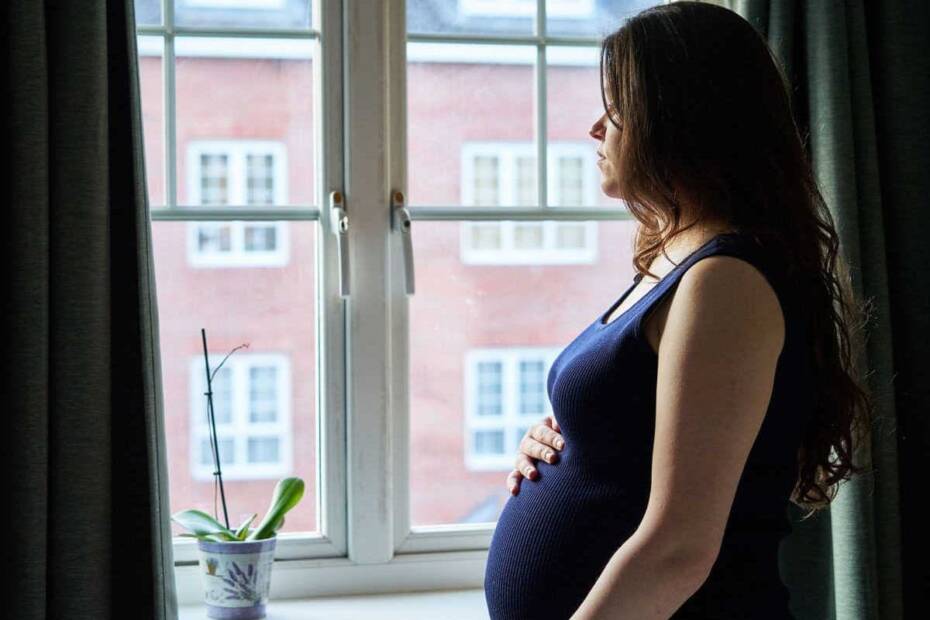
236	577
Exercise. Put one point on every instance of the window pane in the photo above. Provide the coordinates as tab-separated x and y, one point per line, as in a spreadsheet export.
227	451
474	325
469	109
471	16
489	442
148	12
260	238
263	450
265	396
573	105
245	120
153	124
484	236
214	237
489	392
264	14
590	17
528	236
526	187
532	387
570	236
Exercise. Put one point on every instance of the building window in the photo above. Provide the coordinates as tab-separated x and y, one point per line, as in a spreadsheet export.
223	173
251	396
236	4
504	174
525	8
505	393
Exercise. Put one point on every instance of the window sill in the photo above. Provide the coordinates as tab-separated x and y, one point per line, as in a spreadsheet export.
446	604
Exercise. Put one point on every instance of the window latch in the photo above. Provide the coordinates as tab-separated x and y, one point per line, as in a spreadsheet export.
401	221
339	222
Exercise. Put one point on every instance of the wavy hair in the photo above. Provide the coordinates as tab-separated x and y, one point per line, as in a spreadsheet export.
704	110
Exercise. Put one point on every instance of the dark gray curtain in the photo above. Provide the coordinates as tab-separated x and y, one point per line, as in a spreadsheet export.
861	77
85	480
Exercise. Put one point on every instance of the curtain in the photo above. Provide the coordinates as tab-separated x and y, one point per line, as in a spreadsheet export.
85	479
859	72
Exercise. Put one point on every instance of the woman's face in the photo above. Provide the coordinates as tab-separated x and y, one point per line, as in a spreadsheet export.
608	149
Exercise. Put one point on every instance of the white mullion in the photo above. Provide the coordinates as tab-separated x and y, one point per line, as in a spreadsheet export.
331	356
368	183
170	108
541	106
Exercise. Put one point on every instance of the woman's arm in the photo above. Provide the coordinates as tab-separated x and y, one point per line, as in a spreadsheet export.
716	369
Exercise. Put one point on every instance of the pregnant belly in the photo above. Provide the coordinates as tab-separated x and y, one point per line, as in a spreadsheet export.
553	539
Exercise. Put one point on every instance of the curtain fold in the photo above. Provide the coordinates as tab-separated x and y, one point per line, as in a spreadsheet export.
86	479
859	73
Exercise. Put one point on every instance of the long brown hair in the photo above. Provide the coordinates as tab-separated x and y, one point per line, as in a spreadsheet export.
705	113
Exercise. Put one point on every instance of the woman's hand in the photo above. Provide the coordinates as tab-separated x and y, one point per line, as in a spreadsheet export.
538	443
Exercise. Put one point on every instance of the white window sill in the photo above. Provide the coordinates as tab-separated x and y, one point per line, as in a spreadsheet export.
448	605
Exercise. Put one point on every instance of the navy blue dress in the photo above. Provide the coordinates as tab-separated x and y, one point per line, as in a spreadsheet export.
554	538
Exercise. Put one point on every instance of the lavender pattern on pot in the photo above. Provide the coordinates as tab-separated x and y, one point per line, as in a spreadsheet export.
241	586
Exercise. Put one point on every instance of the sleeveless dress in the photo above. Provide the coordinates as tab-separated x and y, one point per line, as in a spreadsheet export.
554	538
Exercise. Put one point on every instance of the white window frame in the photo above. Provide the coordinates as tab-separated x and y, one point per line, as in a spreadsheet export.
237	152
269	5
241	428
510	420
549	254
578	9
365	539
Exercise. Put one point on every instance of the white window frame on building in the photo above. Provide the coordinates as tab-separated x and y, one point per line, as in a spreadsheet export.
241	428
235	234
512	417
578	9
510	183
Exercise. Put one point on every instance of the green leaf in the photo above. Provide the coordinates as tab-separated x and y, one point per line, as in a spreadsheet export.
203	525
243	530
287	494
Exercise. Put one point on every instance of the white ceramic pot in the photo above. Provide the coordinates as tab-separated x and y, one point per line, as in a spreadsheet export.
236	577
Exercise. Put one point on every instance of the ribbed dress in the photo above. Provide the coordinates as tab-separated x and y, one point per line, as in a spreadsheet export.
554	538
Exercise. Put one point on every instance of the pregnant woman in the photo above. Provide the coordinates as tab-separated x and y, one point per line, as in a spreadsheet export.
721	384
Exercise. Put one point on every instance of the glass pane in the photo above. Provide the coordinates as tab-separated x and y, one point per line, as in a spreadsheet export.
570	236
489	442
484	340
484	236
471	134
532	387
487	17
258	14
148	12
245	120
227	452
528	236
153	105
573	105
263	450
595	18
265	395
489	389
260	238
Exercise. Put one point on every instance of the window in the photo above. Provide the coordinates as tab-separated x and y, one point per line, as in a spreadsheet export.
504	174
236	4
251	396
237	172
252	118
526	8
505	394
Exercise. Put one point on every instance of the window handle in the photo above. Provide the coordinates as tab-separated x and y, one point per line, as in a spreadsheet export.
339	221
401	221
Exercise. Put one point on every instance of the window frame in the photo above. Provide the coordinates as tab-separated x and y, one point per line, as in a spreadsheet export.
365	540
241	429
507	154
576	9
510	420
